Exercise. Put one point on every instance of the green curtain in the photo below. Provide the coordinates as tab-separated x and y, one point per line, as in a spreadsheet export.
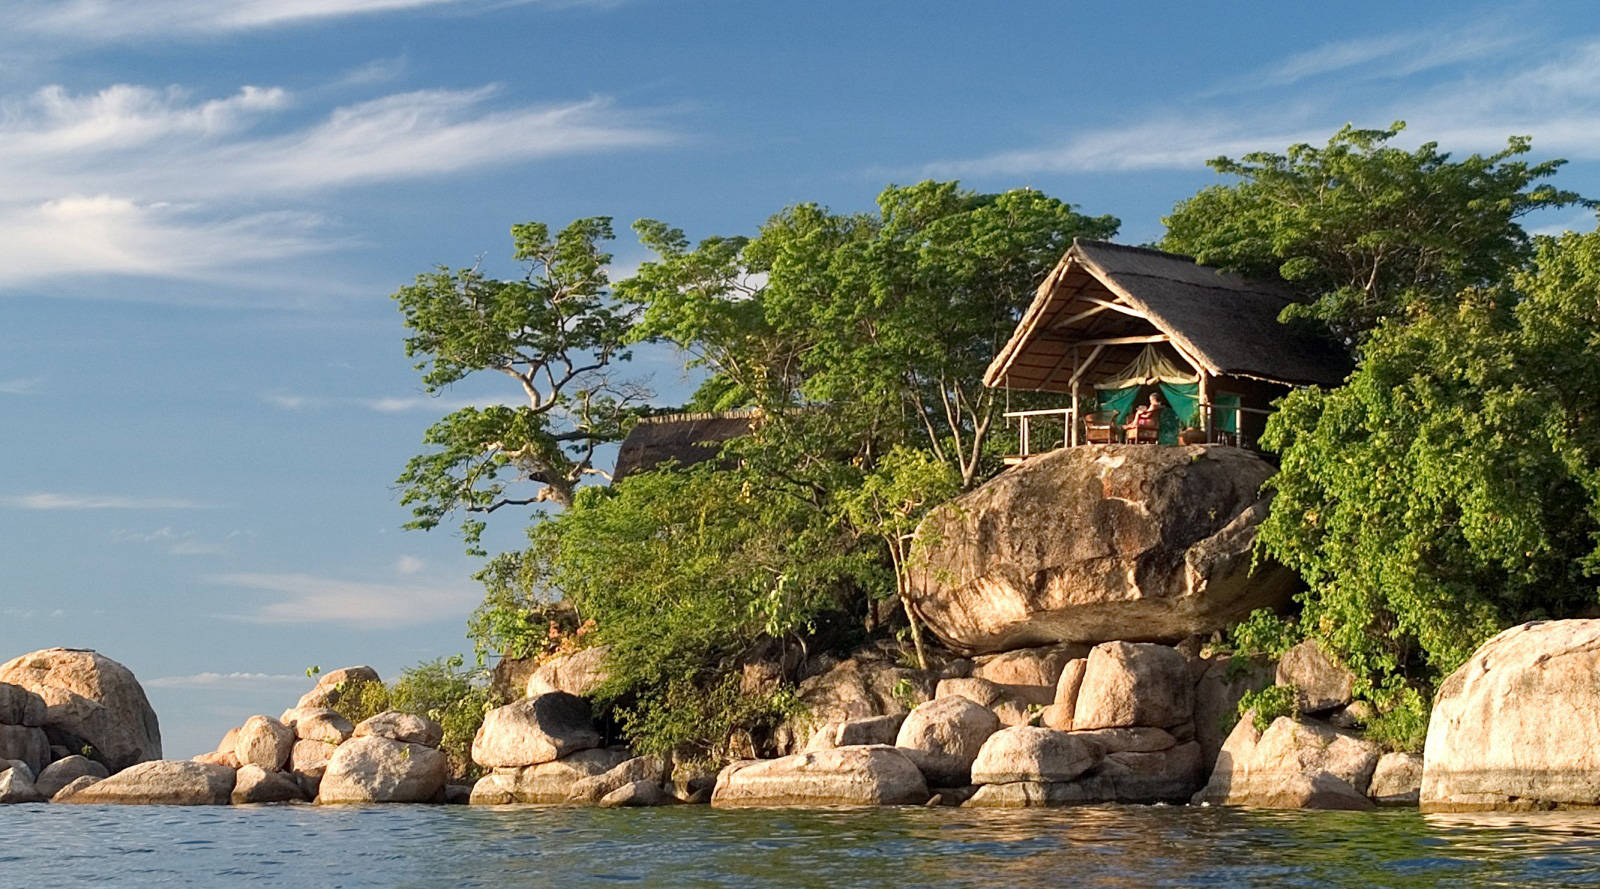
1223	416
1181	399
1119	400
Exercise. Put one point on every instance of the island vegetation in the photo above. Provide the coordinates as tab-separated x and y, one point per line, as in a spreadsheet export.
1450	488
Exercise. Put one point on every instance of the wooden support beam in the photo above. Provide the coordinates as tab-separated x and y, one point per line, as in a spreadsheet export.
1113	306
1125	340
1094	356
1068	322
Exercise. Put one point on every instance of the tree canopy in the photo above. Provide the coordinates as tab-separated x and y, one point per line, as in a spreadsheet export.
1363	229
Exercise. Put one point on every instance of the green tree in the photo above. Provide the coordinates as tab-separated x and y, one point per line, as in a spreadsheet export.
558	332
1362	229
887	320
1452	487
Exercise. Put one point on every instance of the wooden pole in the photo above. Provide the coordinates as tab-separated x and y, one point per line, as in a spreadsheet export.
1205	404
1072	418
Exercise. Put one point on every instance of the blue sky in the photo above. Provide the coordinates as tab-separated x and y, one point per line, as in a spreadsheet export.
204	208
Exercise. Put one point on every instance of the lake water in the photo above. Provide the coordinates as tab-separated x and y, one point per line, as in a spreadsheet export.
514	846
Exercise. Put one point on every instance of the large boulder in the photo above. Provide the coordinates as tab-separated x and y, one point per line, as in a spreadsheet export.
93	698
856	732
1221	683
18	706
1098	543
1134	684
1397	781
25	743
550	782
318	724
1288	765
865	685
159	783
64	771
17	785
1517	725
1010	709
579	673
944	736
265	742
397	725
1027	753
335	684
379	770
844	776
253	784
1320	683
591	790
1030	674
534	730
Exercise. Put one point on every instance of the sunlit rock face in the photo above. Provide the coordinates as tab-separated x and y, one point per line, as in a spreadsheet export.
1099	543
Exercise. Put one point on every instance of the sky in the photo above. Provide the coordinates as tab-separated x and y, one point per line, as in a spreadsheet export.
205	206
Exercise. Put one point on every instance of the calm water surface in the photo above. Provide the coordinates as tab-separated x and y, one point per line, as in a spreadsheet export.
414	846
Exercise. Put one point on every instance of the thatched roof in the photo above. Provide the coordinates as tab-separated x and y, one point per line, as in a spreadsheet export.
686	438
1222	322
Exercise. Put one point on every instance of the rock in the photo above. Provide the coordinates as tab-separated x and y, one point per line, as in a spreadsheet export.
217	759
18	706
579	673
1069	683
845	776
944	736
1133	684
230	739
93	698
265	742
1099	543
1265	769
253	784
856	732
332	686
64	771
1320	790
379	770
508	681
533	731
457	794
999	699
1320	684
310	758
161	782
1164	776
550	782
1515	727
1352	716
1027	753
1397	780
1221	683
73	787
861	687
17	786
25	743
640	768
1129	740
318	724
637	794
398	726
1030	674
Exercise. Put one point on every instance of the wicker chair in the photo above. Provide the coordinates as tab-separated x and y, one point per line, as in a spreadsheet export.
1148	432
1101	427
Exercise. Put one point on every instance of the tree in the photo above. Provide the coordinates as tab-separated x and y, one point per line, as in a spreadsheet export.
558	333
1452	487
1362	229
894	314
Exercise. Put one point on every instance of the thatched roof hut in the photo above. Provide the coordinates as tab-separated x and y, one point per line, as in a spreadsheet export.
1111	318
685	438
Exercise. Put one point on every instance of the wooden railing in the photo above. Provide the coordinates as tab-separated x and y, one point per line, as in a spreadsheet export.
1072	435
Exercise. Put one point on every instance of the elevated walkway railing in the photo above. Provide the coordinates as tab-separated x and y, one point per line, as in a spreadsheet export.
1072	432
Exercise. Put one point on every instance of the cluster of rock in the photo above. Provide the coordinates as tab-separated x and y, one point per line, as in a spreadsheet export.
312	753
69	717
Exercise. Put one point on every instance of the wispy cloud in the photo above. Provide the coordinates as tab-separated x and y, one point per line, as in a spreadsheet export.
392	404
408	565
308	599
179	543
1556	100
104	21
227	681
56	501
132	180
20	386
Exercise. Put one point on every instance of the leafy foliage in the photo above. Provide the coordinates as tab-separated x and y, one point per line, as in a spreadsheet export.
440	690
1267	704
1452	487
1363	229
556	332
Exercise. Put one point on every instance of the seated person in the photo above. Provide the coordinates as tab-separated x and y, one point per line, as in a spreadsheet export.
1146	421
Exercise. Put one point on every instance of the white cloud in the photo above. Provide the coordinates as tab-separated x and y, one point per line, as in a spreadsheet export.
390	404
408	565
102	21
20	386
56	501
227	681
308	599
1556	100
176	543
136	181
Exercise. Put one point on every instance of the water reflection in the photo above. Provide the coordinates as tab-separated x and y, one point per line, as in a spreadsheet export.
529	846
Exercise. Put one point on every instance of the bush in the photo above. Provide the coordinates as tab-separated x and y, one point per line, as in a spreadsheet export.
1268	704
440	690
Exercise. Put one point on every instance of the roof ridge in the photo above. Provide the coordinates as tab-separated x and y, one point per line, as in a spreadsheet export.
1148	251
736	414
